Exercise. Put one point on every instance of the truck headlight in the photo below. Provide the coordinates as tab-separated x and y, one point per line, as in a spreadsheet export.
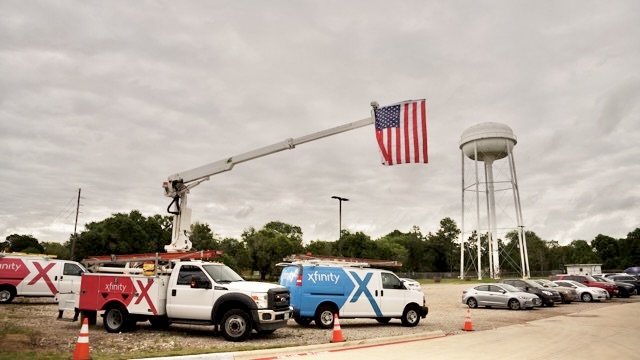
261	300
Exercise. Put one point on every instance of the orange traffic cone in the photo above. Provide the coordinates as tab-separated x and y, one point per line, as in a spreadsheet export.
467	323
82	346
337	332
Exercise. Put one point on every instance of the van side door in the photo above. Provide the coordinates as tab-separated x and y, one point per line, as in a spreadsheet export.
392	295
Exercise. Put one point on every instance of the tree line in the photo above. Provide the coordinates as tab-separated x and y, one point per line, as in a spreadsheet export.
261	249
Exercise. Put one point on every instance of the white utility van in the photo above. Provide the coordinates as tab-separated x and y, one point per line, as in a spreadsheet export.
320	289
37	276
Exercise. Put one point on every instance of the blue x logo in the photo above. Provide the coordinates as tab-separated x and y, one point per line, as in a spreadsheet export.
362	289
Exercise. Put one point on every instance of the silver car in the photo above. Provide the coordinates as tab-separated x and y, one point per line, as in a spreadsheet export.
585	293
499	295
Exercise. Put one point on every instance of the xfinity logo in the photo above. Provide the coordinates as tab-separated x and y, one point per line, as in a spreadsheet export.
117	287
12	266
317	277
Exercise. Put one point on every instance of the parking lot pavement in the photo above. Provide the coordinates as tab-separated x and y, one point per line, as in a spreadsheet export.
607	332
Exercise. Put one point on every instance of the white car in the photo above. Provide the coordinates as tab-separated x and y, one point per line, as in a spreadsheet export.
411	284
585	293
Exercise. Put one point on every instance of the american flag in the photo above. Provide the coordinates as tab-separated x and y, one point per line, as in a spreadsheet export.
401	131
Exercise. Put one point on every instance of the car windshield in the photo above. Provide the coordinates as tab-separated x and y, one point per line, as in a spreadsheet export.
590	278
222	273
578	284
509	288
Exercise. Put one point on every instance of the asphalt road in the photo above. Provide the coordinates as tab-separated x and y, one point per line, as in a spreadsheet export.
608	333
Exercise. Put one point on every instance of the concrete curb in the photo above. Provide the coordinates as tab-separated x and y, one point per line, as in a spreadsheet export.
275	353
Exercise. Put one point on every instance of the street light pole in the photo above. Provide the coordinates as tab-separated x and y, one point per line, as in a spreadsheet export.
340	200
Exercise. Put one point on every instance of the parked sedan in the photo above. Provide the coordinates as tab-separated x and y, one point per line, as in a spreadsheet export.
568	294
549	297
624	289
628	279
499	295
411	284
586	293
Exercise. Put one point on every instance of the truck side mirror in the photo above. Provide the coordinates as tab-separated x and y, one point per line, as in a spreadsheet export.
197	283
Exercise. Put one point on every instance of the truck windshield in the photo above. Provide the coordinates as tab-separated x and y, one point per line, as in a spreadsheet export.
222	273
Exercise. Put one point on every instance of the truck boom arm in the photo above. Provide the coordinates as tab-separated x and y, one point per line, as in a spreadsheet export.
178	185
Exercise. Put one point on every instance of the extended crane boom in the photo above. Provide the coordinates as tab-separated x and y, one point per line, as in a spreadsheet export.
178	185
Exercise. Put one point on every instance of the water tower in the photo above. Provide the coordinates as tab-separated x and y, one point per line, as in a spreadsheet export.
488	143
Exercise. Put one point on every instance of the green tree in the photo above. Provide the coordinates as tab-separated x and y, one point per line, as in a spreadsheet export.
202	238
235	254
24	243
271	244
59	250
607	250
582	253
320	248
444	252
124	234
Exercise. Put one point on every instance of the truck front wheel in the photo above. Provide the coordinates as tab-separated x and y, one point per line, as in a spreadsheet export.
236	325
116	319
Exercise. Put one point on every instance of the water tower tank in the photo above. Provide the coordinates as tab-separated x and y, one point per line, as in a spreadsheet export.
493	140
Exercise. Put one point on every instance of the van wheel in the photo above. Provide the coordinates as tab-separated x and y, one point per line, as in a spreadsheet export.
324	317
7	294
116	319
302	321
236	325
411	316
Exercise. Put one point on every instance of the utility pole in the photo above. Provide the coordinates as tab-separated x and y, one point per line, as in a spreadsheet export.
340	200
75	227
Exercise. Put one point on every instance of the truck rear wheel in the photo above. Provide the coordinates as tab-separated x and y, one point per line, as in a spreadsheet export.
7	294
236	325
116	319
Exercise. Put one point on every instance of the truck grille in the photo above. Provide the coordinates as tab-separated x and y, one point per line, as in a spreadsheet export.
279	299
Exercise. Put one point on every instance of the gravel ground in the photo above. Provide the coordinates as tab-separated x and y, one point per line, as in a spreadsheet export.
31	325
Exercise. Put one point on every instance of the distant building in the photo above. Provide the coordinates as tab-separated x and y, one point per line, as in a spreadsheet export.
583	269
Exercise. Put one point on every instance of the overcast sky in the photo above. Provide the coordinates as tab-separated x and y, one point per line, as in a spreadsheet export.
112	97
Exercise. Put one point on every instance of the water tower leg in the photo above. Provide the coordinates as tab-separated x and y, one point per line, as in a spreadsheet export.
495	254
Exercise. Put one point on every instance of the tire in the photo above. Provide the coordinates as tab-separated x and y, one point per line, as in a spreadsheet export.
410	316
383	320
623	293
236	325
586	297
302	321
514	304
324	316
116	319
472	302
7	294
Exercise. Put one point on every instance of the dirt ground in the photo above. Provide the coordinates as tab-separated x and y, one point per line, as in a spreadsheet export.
29	326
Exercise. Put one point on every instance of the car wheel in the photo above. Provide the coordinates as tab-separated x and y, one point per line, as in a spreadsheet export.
236	325
472	302
324	317
514	304
586	297
383	320
411	316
